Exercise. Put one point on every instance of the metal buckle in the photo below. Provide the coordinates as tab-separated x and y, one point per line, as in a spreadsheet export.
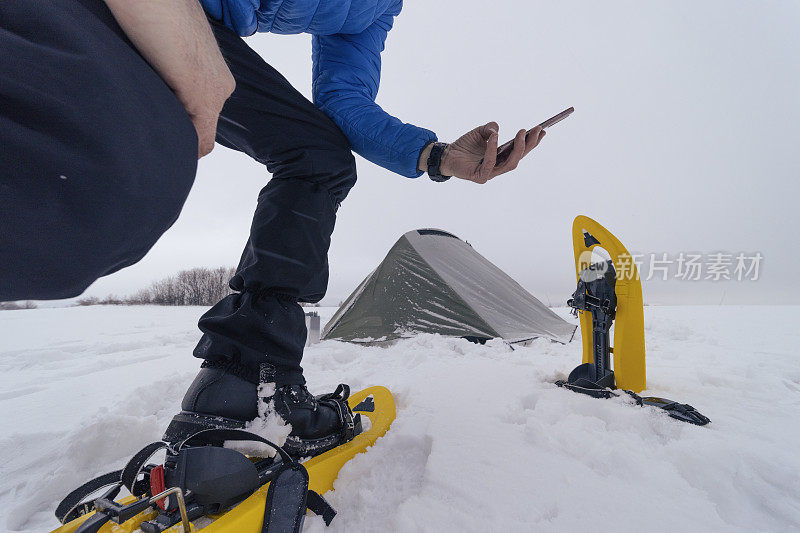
187	527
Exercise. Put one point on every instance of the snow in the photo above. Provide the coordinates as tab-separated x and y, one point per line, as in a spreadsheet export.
268	425
483	440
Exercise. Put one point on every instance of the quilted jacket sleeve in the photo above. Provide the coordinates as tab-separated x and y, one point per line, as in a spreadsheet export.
345	83
239	15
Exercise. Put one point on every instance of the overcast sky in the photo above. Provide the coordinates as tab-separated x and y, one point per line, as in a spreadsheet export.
684	139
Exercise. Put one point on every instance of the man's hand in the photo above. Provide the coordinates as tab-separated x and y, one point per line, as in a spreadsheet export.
175	38
474	156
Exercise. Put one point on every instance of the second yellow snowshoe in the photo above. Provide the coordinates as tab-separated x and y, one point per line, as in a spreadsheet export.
610	293
620	285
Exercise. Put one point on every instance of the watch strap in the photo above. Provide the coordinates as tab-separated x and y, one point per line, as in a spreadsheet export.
435	162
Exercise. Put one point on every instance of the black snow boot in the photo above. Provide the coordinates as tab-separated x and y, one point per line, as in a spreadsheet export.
219	399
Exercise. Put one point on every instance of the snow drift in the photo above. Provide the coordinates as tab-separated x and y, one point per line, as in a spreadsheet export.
483	440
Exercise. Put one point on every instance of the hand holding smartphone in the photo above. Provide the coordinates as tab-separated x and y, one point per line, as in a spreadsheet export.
505	150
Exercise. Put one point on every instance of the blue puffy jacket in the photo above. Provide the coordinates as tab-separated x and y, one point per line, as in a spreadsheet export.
348	38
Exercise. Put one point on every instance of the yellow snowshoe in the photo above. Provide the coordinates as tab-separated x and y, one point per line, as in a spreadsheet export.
618	283
205	486
610	293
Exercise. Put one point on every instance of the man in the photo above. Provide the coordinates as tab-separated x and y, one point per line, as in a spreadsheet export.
104	109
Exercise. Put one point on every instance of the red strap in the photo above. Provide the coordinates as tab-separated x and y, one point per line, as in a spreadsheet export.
157	485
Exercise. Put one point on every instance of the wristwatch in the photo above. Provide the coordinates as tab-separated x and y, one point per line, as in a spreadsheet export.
434	162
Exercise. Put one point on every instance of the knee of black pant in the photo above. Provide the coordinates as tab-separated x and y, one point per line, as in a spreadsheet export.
345	179
332	168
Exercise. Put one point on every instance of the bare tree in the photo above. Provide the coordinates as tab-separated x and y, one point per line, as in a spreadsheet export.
111	299
196	286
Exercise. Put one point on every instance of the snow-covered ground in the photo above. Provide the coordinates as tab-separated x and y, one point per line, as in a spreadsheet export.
482	442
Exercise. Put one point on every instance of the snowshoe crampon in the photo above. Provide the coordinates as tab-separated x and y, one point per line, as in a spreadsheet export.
610	293
220	490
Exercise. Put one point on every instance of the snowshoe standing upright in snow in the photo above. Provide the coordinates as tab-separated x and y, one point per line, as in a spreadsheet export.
610	293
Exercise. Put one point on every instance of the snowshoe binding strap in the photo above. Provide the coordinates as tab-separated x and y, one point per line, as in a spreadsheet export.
132	471
288	497
341	393
217	437
73	504
320	507
288	494
205	479
586	387
93	523
338	400
350	426
679	411
284	510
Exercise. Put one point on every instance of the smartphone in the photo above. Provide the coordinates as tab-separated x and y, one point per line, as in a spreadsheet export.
505	150
552	121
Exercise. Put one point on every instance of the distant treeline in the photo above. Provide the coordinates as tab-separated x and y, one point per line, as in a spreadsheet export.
196	286
13	306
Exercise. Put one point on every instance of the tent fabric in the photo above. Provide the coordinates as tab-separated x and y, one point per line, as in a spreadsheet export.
433	282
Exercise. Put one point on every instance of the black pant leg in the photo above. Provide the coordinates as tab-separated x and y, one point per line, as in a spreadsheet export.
97	155
286	257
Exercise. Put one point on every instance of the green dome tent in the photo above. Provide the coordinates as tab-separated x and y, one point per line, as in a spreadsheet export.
433	282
